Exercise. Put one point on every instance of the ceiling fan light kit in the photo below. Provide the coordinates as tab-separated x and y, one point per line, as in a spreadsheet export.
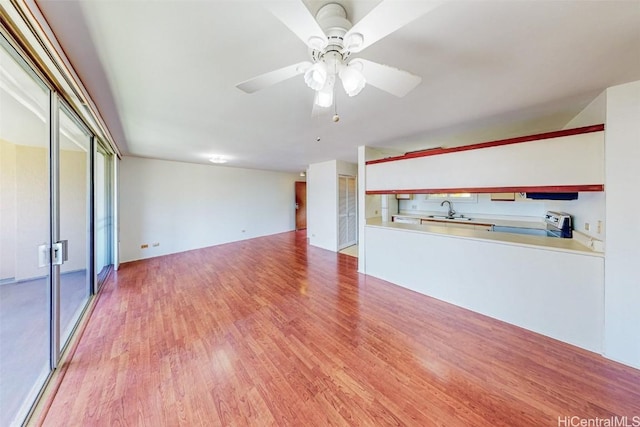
332	38
352	80
324	96
316	76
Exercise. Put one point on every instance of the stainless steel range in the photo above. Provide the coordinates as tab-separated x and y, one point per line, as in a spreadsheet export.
559	224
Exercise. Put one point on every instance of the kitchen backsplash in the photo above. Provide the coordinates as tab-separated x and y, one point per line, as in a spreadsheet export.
589	209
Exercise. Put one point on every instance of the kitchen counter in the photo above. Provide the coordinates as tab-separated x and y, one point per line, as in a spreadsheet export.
482	221
540	242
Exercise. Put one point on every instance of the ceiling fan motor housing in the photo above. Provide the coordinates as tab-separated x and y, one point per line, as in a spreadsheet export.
332	18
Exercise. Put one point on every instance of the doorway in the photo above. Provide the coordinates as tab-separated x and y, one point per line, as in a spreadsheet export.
301	205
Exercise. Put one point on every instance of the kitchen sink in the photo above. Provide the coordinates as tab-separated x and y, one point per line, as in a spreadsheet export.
458	218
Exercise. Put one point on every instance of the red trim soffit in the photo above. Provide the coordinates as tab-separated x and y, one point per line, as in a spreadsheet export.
535	189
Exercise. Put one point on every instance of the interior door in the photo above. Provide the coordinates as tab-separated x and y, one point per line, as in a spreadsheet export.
352	214
301	205
347	212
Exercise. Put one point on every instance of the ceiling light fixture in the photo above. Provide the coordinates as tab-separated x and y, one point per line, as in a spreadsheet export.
317	43
352	80
354	42
332	39
331	65
316	76
218	160
324	96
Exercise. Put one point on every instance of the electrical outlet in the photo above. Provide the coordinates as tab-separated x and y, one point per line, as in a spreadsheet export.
586	226
414	206
599	226
144	246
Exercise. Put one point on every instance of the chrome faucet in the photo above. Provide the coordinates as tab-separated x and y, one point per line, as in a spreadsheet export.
451	212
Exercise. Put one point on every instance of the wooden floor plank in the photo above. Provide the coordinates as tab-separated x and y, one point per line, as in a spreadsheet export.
270	331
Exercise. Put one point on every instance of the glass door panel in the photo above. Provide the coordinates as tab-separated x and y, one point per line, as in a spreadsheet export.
25	272
103	217
74	208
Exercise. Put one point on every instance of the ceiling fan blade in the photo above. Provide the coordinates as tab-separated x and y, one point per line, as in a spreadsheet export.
273	77
384	19
296	16
396	82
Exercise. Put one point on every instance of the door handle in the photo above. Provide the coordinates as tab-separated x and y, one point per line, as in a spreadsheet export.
56	252
59	252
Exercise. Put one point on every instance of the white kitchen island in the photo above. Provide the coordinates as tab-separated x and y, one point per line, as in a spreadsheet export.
554	287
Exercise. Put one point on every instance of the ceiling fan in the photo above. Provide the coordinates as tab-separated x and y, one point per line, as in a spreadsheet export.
332	39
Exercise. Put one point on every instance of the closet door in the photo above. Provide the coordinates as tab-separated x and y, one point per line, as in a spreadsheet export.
352	211
347	211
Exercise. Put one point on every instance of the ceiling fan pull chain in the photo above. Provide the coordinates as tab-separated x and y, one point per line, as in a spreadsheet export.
336	117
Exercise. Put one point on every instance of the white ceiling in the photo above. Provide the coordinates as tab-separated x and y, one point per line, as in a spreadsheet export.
163	74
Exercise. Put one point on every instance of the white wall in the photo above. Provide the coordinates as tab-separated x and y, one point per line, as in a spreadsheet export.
370	206
185	206
564	160
593	114
346	168
363	201
322	205
554	293
622	283
322	201
373	205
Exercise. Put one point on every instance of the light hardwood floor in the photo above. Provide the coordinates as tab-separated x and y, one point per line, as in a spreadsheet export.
271	331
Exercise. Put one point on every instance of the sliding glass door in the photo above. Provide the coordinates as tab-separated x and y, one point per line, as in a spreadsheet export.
73	209
25	271
47	261
103	212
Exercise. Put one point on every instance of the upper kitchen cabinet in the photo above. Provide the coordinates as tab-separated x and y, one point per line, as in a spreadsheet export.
567	160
